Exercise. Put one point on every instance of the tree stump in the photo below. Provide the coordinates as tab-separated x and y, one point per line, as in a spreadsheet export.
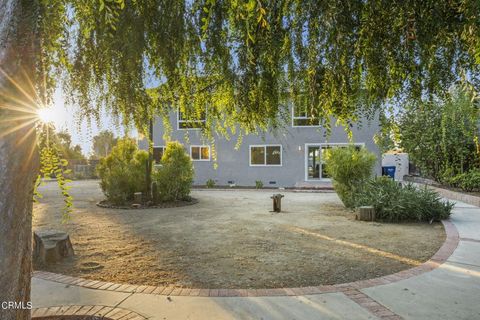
365	213
277	202
50	246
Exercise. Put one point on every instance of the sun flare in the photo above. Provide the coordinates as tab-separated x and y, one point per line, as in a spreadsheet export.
46	115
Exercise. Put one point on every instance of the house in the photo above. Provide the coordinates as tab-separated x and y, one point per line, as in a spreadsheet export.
293	157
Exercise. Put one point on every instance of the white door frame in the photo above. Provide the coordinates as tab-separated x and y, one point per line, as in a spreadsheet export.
362	144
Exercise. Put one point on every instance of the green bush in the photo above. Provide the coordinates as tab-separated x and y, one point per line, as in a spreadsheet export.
349	167
394	202
210	183
439	136
175	177
258	184
467	181
122	172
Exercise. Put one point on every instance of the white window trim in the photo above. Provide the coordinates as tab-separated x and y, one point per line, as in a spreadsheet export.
186	121
302	118
362	144
265	155
201	146
160	146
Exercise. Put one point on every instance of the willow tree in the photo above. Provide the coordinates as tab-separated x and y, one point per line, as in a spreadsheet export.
241	59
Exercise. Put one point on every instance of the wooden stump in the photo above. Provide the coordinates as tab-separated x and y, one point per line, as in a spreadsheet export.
277	202
365	213
50	246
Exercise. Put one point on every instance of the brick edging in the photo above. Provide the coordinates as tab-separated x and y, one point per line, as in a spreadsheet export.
110	313
435	261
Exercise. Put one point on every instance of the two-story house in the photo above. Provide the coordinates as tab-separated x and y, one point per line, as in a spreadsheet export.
293	157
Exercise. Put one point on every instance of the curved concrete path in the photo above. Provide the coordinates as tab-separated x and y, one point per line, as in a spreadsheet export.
449	291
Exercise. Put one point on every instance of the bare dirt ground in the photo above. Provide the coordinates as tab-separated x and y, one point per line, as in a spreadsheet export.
230	239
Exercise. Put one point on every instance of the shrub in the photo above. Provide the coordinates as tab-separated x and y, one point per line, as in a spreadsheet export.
394	202
258	184
210	183
440	135
467	181
122	172
175	177
349	169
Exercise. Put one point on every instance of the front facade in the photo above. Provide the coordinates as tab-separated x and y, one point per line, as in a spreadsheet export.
293	157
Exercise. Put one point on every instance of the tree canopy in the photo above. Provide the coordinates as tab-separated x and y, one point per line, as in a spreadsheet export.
441	137
246	59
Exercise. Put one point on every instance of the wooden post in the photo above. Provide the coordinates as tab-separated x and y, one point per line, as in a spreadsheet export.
137	198
155	195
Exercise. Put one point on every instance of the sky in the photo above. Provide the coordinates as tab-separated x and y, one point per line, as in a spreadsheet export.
63	117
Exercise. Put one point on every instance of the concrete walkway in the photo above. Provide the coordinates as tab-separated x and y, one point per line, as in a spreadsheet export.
451	291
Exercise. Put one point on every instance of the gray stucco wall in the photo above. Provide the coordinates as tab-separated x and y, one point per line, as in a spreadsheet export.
234	165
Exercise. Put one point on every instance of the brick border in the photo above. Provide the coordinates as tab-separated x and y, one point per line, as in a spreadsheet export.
435	261
110	313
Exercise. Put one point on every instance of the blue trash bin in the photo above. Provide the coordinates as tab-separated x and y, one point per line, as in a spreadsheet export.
389	171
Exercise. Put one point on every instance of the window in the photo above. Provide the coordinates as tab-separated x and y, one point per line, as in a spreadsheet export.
200	153
301	117
158	154
191	120
315	159
266	155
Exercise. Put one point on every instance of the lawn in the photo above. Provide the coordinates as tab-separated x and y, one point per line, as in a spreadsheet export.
230	239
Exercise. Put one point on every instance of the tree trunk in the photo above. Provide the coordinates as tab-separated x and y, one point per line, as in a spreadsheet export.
18	154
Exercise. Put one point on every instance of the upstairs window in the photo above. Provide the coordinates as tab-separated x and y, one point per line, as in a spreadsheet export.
158	154
301	117
266	155
200	153
193	120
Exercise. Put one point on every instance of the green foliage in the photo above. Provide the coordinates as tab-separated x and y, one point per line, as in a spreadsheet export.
63	141
210	183
388	137
350	169
467	181
394	202
244	58
441	136
122	172
175	176
258	184
53	165
103	144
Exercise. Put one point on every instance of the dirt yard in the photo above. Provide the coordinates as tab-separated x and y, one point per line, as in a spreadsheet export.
230	239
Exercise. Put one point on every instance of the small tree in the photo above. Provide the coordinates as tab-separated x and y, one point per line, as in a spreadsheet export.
103	144
122	172
441	137
350	168
175	176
